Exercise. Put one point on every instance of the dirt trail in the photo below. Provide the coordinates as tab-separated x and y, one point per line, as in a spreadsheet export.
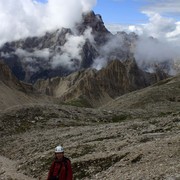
8	170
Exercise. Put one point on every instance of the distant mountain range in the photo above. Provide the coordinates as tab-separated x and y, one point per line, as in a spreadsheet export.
86	63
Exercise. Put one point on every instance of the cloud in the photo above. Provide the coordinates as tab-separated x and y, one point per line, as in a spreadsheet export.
158	26
164	7
163	20
70	54
28	56
152	50
114	48
167	32
166	29
24	18
175	35
114	28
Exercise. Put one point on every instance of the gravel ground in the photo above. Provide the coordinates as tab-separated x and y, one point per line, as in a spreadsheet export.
101	144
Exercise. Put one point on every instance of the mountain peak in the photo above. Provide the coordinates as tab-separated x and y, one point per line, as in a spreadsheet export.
95	22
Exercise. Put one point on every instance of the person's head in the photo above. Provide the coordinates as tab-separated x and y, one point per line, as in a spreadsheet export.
59	152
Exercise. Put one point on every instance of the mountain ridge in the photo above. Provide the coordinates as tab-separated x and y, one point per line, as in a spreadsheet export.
95	87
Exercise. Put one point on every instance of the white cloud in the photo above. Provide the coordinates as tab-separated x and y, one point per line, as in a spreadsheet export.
114	28
110	51
162	21
43	53
162	25
158	26
175	35
22	18
70	56
152	50
164	6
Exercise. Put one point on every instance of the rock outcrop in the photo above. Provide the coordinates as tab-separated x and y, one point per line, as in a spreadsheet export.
14	92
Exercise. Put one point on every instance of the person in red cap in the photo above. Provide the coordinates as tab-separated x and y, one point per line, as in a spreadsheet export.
61	167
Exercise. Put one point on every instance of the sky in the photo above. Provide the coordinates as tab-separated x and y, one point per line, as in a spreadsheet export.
157	18
120	12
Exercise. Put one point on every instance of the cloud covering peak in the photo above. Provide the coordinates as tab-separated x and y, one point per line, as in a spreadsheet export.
23	18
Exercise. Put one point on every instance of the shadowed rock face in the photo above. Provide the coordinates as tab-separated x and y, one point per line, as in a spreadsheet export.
14	92
8	78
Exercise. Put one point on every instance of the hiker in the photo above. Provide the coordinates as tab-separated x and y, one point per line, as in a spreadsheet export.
61	167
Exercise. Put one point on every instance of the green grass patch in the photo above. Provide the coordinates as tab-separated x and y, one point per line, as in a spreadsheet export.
24	119
163	114
119	118
80	102
162	82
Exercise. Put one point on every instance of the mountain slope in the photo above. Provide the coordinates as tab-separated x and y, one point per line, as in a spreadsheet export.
13	92
161	97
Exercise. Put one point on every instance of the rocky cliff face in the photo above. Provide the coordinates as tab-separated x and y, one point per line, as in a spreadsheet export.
101	34
10	80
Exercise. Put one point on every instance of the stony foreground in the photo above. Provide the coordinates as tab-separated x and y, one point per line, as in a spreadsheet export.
101	144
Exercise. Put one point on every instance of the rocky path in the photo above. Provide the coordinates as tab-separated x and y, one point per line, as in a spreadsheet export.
8	170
